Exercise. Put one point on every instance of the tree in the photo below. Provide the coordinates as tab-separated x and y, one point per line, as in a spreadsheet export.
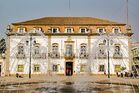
2	46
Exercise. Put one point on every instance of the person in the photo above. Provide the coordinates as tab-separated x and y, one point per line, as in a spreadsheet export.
104	72
121	74
17	75
117	74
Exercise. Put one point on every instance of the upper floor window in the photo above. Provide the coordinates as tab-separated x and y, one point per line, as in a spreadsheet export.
55	30
68	50
21	30
54	48
117	51
55	51
101	51
83	30
69	30
36	49
20	48
83	50
116	30
101	30
37	29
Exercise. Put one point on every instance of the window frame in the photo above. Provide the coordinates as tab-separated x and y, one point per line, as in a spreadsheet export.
20	68
56	28
103	30
85	30
71	29
113	30
100	70
21	29
36	68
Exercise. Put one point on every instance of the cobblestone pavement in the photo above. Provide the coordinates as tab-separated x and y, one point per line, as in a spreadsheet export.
11	80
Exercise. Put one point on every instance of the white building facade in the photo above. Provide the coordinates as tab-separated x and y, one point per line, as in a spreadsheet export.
68	46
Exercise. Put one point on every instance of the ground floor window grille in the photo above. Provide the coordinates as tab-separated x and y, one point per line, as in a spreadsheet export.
55	68
82	68
117	68
36	68
20	68
101	68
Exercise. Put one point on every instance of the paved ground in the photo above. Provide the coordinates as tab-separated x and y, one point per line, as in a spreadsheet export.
80	78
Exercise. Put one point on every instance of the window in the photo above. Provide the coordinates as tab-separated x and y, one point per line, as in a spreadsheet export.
21	30
116	30
101	30
101	68
101	51
83	50
55	48
55	30
117	68
55	68
36	49
36	68
68	50
55	51
82	67
69	30
20	48
20	68
83	30
117	49
37	29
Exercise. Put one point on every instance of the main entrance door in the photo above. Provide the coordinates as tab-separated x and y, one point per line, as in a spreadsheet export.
69	68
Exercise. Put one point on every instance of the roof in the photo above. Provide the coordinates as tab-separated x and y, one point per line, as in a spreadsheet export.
68	21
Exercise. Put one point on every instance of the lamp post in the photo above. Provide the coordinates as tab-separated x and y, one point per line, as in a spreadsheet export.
30	57
108	42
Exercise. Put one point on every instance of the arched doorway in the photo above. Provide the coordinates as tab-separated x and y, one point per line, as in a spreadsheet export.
69	69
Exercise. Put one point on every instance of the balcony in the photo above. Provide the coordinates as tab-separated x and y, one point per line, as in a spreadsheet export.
20	56
36	56
102	56
117	56
83	55
54	55
69	56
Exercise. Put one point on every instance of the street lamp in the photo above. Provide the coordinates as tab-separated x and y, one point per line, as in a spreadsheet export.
108	42
30	56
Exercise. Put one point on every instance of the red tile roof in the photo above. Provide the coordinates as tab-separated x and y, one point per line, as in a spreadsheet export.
68	21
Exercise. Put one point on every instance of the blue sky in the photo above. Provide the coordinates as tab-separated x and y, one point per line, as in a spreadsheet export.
20	10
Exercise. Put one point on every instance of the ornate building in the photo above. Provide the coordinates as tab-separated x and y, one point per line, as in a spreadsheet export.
135	55
67	45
